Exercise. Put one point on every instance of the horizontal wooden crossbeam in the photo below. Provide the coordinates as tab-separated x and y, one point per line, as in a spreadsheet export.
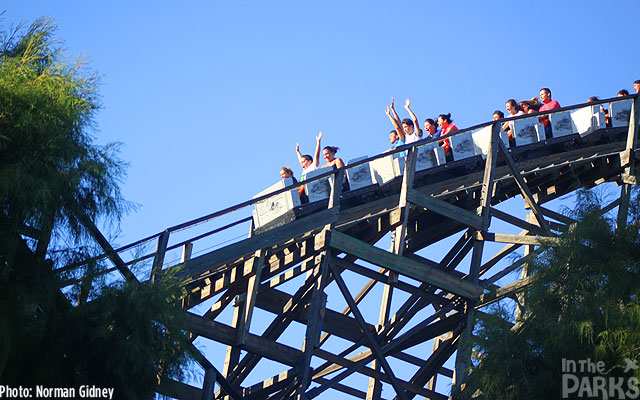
402	265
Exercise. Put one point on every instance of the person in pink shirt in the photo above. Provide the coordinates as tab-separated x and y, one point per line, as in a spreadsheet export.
547	105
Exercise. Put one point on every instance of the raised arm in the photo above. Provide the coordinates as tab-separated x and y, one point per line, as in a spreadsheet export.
394	121
394	113
397	127
416	124
316	156
298	152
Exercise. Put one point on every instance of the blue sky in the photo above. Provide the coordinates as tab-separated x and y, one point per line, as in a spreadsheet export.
209	98
204	94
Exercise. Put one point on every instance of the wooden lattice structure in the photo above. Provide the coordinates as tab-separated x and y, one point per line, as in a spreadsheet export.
342	235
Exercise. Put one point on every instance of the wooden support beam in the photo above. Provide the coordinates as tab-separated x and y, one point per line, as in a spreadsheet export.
345	389
209	383
444	208
102	241
632	139
314	323
336	190
284	317
524	188
456	247
399	244
269	386
358	298
505	291
440	355
158	259
505	251
461	255
179	390
233	350
204	363
463	356
557	216
520	298
208	262
535	229
407	185
256	265
519	239
490	281
379	276
373	344
403	265
227	335
358	363
187	249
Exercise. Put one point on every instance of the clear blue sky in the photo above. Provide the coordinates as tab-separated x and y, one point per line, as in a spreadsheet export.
210	97
204	94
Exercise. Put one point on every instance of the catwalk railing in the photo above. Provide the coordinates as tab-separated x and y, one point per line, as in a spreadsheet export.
420	205
140	255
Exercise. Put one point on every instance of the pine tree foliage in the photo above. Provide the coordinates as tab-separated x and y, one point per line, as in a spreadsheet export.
48	158
128	334
584	304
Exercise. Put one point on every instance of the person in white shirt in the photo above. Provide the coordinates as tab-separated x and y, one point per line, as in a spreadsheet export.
307	162
514	110
409	127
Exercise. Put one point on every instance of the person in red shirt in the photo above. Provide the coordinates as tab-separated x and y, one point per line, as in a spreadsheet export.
547	105
446	127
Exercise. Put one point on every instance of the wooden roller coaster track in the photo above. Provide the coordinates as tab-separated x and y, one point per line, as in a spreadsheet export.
299	273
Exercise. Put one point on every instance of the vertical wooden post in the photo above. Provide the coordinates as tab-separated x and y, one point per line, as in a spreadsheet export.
208	384
632	138
463	356
87	282
44	238
336	190
233	352
158	259
256	264
314	323
186	252
374	389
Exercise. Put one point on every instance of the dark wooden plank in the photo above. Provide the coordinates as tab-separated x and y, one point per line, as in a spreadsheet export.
179	390
517	221
102	241
518	239
505	291
373	344
208	383
357	364
526	192
270	385
403	265
490	281
444	208
632	138
505	251
158	258
315	321
284	317
198	265
227	335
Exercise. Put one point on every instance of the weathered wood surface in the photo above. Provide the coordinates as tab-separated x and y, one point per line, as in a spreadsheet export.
403	265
